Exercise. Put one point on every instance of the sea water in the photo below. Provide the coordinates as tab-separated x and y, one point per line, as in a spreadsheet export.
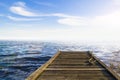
18	59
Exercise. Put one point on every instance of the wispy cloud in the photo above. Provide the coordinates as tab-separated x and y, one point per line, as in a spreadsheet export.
111	19
20	9
61	15
70	20
22	19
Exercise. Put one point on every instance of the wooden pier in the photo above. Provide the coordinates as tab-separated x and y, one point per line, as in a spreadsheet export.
74	66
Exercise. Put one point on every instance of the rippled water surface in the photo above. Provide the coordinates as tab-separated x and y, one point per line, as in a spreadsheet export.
20	58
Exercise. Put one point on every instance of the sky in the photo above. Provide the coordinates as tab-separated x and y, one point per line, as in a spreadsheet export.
60	20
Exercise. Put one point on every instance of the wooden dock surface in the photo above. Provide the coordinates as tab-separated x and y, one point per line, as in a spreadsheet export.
74	66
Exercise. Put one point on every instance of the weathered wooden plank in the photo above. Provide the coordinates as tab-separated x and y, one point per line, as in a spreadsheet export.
77	57
77	77
52	72
72	61
73	56
68	62
80	76
80	60
108	68
36	74
73	66
63	66
71	69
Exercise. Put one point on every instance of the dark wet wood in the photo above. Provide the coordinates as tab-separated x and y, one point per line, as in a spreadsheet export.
73	66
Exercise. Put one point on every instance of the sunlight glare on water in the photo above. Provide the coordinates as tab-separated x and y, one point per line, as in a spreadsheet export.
18	59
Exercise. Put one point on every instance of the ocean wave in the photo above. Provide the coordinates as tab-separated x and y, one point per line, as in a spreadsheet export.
18	59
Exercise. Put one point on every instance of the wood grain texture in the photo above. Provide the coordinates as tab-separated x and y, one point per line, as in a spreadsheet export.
73	66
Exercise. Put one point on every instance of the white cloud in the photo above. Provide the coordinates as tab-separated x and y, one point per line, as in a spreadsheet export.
20	9
110	20
22	19
104	27
72	21
61	15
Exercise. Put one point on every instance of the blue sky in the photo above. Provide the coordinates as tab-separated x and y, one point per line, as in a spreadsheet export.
60	19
